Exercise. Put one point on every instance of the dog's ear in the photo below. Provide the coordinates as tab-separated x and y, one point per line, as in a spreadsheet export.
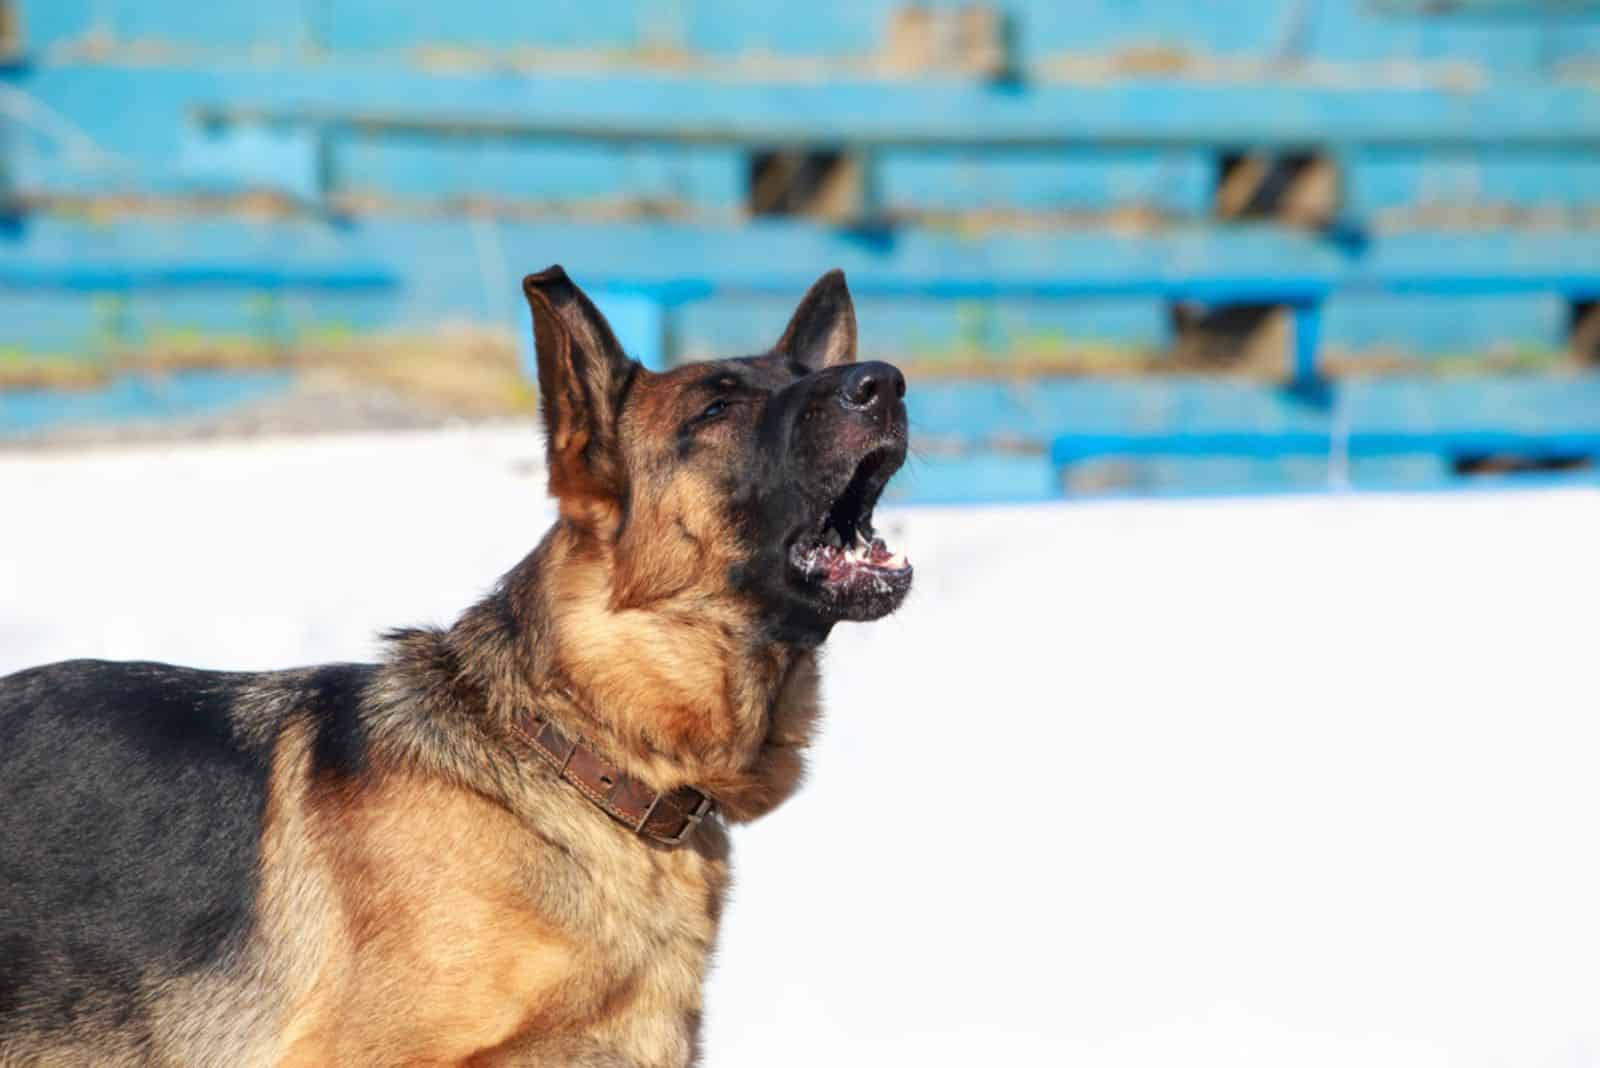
582	375
823	330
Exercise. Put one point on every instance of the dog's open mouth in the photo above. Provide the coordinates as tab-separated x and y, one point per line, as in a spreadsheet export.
844	557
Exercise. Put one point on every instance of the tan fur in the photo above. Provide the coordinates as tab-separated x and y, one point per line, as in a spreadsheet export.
440	955
457	942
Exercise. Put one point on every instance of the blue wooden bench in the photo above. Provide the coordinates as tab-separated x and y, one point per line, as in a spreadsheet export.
1303	295
1462	444
646	308
248	275
866	114
1449	455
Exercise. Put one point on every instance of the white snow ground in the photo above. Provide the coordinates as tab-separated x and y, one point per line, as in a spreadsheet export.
1299	781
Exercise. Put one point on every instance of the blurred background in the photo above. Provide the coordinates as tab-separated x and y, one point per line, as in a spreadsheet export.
1208	311
1121	245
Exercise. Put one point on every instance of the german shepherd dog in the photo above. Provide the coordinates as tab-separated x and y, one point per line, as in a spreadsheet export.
505	842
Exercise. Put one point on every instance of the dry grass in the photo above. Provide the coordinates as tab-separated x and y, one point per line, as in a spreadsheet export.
469	372
21	370
1340	363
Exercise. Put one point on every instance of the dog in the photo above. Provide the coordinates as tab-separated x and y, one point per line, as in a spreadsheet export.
504	843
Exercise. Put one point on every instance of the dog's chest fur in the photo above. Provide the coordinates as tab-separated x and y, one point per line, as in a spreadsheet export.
470	933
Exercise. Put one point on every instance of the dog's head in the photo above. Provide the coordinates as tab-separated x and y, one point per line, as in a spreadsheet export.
751	479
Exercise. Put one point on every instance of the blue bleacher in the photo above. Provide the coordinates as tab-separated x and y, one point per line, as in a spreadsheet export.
424	155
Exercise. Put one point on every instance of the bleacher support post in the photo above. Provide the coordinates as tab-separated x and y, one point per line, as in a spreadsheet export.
1305	378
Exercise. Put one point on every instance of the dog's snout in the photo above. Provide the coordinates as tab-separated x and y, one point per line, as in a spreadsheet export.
870	386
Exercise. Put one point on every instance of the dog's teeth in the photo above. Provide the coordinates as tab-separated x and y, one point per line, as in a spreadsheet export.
896	562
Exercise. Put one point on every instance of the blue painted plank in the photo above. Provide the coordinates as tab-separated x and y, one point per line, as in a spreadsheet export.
93	325
122	107
218	24
137	398
1140	142
974	415
933	329
975	479
1347	31
132	277
1542	404
519	171
1390	180
1188	476
1177	182
1423	325
847	112
1343	31
1073	448
717	27
1456	292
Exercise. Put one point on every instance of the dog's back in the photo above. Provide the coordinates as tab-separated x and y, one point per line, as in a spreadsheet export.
134	797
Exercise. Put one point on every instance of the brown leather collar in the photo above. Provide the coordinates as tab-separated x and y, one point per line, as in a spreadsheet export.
665	818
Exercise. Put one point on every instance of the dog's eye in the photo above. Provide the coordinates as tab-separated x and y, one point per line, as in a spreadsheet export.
714	409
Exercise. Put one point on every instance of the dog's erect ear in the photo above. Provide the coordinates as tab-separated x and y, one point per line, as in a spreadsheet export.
582	374
823	330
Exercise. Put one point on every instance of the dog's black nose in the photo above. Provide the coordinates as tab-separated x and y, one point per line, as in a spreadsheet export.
868	386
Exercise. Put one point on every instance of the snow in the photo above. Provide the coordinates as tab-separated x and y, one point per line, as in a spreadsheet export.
1302	780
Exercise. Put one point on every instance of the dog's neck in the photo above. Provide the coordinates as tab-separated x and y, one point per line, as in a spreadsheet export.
685	691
